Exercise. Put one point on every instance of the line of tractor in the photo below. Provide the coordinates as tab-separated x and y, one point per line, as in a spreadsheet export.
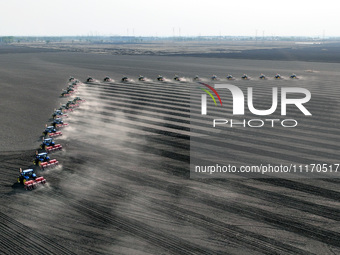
42	159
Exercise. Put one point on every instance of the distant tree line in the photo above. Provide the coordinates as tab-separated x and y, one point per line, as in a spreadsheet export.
146	39
7	39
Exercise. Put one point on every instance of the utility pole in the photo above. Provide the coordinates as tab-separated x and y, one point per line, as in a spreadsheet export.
256	37
323	36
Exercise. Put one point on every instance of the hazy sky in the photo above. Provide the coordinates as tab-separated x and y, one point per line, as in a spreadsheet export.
170	17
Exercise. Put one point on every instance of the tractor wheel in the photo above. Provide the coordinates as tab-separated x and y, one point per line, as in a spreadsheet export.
39	163
24	181
18	179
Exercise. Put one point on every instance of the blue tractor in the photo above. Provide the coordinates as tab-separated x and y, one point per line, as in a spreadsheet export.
277	76
76	100
65	108
160	78
245	77
141	78
64	93
47	142
44	161
107	79
29	179
230	77
49	145
71	104
51	131
262	77
176	78
89	79
57	114
125	79
294	76
67	92
40	158
26	175
70	89
58	122
76	82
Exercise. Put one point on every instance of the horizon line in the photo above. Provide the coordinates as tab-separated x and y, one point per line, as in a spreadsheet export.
181	36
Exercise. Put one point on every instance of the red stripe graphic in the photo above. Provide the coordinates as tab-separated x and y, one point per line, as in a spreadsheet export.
213	90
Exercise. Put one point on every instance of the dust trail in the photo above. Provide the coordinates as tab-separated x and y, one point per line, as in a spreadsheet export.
311	71
185	79
148	80
108	82
205	79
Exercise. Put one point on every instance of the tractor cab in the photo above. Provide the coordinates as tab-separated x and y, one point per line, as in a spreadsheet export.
107	79
277	76
230	77
50	129
176	78
64	107
214	78
160	78
26	175
47	142
245	77
76	82
69	89
64	93
57	113
76	100
57	121
70	103
262	76
41	157
293	76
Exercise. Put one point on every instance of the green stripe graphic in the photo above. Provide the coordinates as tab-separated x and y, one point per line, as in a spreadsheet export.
209	95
